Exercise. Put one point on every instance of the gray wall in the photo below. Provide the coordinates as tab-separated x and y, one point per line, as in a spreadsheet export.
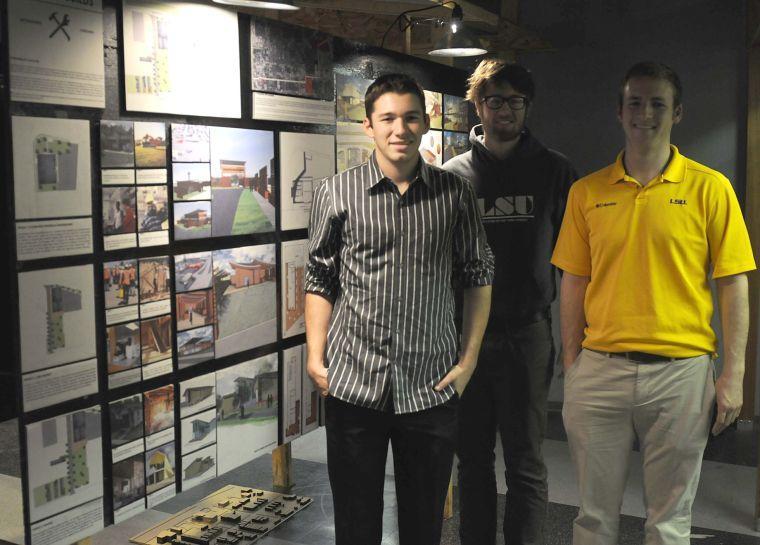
703	40
596	41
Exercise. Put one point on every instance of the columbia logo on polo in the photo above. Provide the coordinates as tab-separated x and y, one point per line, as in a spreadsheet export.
678	201
603	204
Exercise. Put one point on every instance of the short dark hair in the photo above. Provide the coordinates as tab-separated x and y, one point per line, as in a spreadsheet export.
498	71
392	83
654	70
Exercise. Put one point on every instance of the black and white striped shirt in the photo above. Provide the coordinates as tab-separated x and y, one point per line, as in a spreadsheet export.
387	260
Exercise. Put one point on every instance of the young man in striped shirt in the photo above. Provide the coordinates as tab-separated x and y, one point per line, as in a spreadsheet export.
386	238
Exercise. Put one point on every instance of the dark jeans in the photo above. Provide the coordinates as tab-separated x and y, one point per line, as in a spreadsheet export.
508	392
423	449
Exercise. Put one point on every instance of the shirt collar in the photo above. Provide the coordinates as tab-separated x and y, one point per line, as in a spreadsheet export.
373	175
674	172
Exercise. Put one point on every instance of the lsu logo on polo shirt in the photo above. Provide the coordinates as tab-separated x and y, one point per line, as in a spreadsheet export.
508	208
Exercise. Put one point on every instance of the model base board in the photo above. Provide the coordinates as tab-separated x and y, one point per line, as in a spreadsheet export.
231	515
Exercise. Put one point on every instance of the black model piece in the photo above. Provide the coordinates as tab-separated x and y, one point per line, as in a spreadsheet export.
233	515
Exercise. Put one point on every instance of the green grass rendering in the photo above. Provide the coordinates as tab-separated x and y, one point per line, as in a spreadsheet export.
249	217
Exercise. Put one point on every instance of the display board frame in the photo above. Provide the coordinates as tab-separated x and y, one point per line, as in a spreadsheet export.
348	59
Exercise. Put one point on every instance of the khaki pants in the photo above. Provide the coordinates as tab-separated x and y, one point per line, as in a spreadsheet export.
609	401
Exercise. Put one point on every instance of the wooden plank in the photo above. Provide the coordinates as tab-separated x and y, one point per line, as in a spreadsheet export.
753	23
752	215
509	10
282	468
448	507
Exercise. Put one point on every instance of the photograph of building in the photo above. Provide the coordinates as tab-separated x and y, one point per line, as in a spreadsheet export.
156	339
197	394
246	408
155	279
191	181
456	113
434	108
159	467
199	467
192	271
293	255
192	220
195	346
128	479
245	296
198	431
454	143
159	409
123	346
126	417
292	364
349	93
242	181
194	309
291	60
117	140
150	144
353	146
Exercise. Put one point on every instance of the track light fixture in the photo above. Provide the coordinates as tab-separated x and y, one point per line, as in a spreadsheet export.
459	42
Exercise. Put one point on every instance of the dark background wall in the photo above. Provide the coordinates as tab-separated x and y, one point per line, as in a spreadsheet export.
349	57
597	40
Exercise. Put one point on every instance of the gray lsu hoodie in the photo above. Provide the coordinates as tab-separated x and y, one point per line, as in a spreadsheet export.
522	201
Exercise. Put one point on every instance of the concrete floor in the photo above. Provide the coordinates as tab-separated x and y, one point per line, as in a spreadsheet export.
723	510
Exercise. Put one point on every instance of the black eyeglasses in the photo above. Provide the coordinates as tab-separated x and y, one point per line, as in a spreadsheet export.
495	102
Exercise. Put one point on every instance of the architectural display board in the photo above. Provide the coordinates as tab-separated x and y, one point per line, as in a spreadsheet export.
56	52
160	259
305	160
181	58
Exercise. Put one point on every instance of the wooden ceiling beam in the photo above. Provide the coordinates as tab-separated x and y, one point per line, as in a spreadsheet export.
753	23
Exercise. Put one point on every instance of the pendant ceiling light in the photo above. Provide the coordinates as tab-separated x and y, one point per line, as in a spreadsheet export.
458	41
262	4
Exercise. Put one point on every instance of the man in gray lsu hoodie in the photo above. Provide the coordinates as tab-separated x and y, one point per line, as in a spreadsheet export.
521	188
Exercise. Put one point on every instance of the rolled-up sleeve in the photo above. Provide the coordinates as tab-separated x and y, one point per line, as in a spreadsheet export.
473	259
324	245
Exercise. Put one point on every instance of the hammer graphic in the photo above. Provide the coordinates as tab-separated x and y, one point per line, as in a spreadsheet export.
61	25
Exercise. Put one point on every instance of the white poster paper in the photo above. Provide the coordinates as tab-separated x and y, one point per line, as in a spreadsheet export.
71	526
305	160
65	462
57	316
56	52
53	238
293	295
296	109
198	467
51	386
352	144
247	400
292	364
51	167
181	58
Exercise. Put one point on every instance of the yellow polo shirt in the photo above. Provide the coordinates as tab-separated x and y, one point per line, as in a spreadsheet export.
648	252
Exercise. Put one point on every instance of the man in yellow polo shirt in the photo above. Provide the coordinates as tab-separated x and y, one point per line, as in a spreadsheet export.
639	241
